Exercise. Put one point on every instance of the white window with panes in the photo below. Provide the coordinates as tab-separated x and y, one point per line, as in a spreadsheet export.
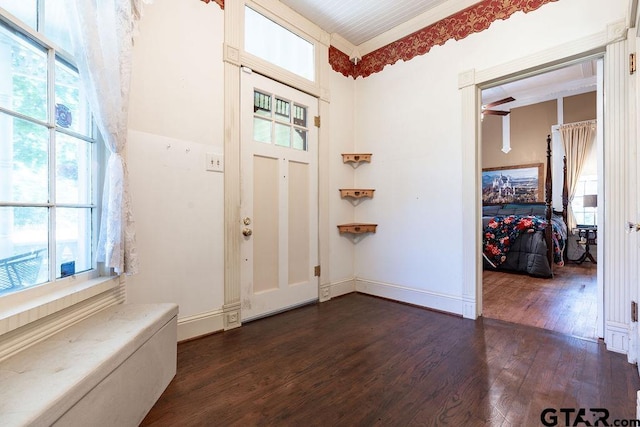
49	158
585	199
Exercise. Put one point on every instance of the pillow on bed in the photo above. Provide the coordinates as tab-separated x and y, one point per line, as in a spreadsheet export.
505	211
490	210
526	209
540	210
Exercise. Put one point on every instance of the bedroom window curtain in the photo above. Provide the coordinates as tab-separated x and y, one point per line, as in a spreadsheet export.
577	139
102	38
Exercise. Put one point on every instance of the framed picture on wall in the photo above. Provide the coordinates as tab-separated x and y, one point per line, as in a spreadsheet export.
513	184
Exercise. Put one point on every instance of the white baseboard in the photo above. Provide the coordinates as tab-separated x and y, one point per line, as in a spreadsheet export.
200	324
342	287
213	321
469	308
616	337
441	302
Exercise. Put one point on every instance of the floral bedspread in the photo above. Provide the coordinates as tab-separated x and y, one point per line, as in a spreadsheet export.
502	231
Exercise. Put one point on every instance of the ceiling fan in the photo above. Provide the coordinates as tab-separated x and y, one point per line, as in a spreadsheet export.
486	110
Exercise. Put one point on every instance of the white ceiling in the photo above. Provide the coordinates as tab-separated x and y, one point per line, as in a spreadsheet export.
567	81
358	21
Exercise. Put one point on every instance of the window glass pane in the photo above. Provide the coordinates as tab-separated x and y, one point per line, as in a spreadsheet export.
283	135
300	139
587	185
73	170
23	75
300	115
55	24
23	247
72	111
262	130
23	163
73	240
25	10
274	43
283	109
589	218
261	104
591	185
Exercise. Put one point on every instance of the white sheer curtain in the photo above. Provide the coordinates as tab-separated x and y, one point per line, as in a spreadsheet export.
577	139
102	37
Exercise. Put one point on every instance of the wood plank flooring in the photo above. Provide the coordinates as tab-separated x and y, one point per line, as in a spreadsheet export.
359	360
566	303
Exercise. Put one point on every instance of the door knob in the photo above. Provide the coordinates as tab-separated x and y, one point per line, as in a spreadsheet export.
246	220
247	232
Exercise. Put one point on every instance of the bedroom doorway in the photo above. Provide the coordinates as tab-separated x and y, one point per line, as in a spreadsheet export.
517	116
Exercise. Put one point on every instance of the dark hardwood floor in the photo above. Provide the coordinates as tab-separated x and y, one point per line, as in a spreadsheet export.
566	303
359	360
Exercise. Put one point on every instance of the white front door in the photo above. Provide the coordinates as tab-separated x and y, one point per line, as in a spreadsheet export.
279	197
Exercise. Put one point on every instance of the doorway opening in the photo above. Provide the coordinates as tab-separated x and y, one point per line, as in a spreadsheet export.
517	116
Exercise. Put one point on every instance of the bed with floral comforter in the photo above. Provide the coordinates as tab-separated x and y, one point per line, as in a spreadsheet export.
514	239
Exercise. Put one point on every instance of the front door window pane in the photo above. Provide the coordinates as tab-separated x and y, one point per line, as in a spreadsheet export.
300	139
262	130
261	104
300	115
283	135
283	109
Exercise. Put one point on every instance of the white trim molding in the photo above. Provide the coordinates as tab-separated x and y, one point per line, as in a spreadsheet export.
232	236
200	324
620	198
432	300
610	44
342	287
616	337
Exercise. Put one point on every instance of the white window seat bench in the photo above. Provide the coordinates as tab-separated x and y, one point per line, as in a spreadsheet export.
106	370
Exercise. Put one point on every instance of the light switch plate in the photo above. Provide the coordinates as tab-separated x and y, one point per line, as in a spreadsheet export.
215	162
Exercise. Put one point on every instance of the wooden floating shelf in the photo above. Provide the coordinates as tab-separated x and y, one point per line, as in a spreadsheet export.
356	193
357	228
356	157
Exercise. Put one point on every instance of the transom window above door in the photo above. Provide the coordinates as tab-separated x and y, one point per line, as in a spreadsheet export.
279	121
278	45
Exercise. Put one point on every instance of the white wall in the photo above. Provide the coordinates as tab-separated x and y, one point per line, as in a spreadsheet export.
409	116
176	116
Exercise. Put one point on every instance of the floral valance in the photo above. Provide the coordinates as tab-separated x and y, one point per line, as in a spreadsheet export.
474	19
219	2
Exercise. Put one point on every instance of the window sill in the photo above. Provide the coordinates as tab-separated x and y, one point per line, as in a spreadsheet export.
30	305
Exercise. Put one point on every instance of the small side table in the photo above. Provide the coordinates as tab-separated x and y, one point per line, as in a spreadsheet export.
587	236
